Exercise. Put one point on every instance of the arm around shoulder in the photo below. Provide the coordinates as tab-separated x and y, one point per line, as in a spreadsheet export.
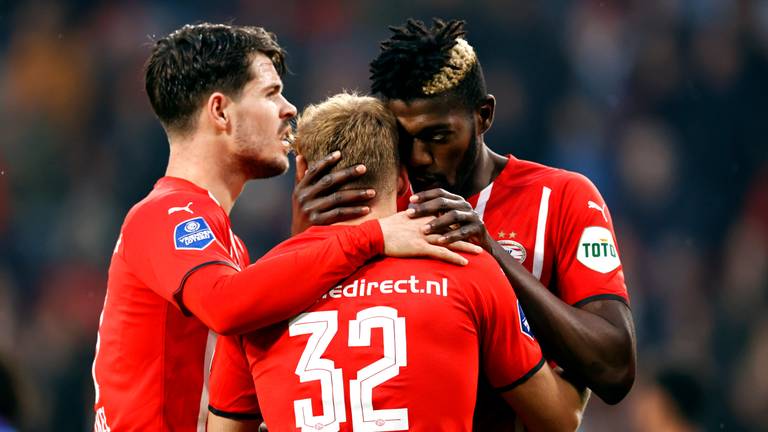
236	302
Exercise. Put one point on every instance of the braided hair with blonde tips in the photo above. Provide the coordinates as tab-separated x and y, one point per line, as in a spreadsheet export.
418	61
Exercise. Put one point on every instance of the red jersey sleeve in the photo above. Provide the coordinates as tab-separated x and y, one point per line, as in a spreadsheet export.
509	352
231	390
282	283
243	250
587	263
167	239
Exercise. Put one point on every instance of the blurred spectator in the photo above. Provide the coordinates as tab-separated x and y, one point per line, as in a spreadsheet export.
597	47
673	402
9	403
749	395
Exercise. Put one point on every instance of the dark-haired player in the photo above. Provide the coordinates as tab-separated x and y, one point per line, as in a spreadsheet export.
177	269
398	344
549	229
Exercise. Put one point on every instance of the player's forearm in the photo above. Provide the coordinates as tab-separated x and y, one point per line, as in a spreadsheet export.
223	424
571	402
279	286
546	402
592	349
574	395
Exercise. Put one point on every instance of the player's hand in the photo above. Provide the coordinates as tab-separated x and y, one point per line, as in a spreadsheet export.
404	237
454	219
316	198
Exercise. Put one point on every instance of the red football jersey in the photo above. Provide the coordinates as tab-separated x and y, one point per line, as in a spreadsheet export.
557	225
396	346
150	363
152	357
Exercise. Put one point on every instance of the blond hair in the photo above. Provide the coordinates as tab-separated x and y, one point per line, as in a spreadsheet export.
362	128
461	59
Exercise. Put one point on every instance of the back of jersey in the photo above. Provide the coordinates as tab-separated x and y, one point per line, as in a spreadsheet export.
396	346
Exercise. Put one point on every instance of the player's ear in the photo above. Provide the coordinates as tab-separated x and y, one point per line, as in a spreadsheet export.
484	113
403	184
301	168
218	111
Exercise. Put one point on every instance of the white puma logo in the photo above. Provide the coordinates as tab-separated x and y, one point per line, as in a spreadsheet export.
186	208
601	209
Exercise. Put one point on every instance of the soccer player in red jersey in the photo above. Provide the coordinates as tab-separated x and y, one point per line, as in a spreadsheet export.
178	273
548	228
397	345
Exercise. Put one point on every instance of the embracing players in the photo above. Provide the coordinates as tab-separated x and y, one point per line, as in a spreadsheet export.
397	345
548	228
177	269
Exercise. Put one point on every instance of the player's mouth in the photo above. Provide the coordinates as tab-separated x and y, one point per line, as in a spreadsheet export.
287	137
426	183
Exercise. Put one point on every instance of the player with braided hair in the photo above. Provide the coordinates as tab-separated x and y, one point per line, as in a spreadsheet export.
365	357
179	276
548	228
435	62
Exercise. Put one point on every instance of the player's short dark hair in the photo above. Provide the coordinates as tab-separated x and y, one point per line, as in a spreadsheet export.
416	54
192	62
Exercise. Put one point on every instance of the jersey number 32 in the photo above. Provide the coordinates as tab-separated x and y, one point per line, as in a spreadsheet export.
322	327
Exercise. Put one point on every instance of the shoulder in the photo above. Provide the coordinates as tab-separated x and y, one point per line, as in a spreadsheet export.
575	182
568	185
478	269
520	172
481	271
577	194
481	263
308	237
161	208
483	283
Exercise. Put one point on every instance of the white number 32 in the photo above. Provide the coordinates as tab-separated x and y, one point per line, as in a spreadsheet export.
322	326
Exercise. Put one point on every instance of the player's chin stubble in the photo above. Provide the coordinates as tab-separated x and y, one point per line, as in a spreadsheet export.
255	164
259	166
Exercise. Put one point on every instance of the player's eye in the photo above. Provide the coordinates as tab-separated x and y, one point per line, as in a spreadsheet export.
439	137
273	91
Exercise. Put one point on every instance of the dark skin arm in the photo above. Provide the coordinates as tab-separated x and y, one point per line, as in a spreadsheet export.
594	343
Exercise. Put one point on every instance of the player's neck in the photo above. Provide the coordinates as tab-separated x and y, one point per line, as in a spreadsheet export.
380	209
196	163
487	167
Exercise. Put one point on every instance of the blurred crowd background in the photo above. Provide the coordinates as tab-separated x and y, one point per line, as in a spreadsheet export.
662	103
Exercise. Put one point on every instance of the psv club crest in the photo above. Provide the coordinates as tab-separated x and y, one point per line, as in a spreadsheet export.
513	247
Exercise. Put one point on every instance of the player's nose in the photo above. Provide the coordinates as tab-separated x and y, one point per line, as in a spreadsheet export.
288	110
420	155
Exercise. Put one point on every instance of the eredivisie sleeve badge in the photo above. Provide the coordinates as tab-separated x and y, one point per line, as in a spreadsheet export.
193	234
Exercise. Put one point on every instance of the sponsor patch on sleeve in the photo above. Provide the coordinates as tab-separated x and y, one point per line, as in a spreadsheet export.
597	250
193	234
524	326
